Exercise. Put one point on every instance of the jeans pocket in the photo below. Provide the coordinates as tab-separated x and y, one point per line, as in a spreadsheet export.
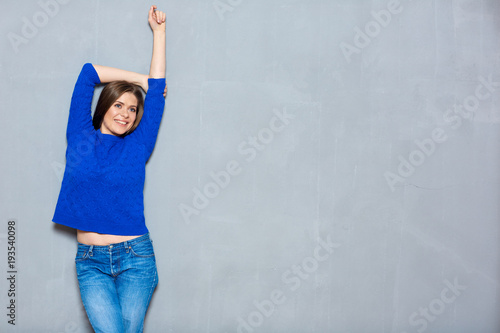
81	255
143	249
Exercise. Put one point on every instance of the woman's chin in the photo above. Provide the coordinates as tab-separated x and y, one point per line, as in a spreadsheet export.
121	130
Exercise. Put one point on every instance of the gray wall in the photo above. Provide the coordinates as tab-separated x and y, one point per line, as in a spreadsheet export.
356	145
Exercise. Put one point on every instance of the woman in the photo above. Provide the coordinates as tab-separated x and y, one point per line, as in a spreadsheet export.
102	190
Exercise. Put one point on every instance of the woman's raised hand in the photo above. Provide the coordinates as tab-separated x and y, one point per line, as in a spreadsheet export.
156	19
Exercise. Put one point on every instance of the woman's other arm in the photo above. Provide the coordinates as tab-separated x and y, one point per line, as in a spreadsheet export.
80	115
110	74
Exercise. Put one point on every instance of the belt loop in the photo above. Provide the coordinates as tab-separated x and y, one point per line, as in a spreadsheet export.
90	250
126	246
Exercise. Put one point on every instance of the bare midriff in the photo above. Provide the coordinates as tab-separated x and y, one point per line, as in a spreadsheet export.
93	238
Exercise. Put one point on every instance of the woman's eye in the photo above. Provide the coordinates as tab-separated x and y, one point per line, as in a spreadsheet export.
118	105
132	110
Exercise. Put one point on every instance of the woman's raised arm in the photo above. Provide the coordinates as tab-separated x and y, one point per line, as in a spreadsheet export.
157	23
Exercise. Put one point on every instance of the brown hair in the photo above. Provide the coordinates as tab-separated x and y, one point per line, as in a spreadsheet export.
110	94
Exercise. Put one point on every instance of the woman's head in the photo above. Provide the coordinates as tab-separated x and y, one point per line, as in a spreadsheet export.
119	108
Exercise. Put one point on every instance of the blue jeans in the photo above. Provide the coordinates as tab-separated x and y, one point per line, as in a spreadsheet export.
116	283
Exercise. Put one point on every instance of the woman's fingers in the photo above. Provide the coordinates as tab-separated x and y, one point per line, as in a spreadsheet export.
157	15
160	17
156	18
151	11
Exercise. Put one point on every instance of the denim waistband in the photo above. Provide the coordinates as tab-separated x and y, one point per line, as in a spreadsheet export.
122	245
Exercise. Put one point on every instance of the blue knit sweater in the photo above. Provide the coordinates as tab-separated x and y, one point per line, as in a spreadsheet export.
102	188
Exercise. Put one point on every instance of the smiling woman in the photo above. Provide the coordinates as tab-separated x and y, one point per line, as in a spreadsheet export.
102	195
119	109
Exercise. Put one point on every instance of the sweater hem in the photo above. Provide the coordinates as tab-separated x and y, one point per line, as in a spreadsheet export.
100	227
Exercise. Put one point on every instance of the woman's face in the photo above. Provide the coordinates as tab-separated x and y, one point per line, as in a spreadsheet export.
120	116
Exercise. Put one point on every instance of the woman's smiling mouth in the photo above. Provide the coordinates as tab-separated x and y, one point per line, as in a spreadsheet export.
121	122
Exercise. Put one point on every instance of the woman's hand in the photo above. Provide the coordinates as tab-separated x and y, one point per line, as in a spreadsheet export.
156	19
144	83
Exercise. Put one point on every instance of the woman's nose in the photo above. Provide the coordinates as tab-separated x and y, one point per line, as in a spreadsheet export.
124	113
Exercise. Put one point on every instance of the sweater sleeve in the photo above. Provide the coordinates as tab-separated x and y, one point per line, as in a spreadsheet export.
80	115
147	131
